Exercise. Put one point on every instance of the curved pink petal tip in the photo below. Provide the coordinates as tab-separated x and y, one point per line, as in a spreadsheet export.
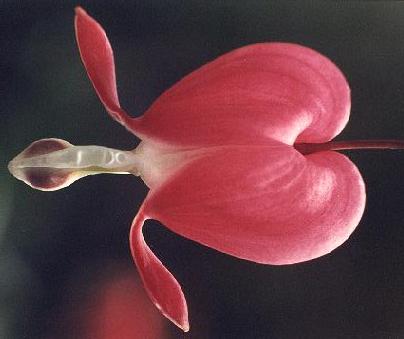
160	284
98	59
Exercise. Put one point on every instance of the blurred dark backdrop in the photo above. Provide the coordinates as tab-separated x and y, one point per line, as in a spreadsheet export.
54	246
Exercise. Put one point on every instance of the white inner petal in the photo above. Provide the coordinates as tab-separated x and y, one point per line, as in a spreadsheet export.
82	157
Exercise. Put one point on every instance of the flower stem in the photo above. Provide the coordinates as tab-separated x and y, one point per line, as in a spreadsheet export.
308	148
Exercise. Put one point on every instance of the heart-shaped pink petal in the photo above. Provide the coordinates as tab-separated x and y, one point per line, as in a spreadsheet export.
268	204
279	91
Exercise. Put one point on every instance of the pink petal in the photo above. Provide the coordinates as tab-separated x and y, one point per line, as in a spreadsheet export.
268	204
98	59
278	91
162	287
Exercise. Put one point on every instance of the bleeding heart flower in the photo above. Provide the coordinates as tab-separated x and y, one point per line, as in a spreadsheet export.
237	156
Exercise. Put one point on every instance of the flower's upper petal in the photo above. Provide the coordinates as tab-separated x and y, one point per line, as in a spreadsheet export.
278	91
268	204
98	59
162	288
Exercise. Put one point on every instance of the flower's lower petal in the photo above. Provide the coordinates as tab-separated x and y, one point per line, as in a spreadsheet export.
278	91
98	59
265	204
160	284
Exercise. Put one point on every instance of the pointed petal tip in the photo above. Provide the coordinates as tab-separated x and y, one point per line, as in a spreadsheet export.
183	323
98	59
163	289
79	10
184	327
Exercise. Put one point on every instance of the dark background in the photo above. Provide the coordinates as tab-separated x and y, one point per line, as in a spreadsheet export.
54	245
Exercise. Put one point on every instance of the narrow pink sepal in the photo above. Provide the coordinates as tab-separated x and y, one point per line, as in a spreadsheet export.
268	204
278	91
161	286
98	59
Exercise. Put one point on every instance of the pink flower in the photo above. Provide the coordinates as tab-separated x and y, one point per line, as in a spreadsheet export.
237	156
